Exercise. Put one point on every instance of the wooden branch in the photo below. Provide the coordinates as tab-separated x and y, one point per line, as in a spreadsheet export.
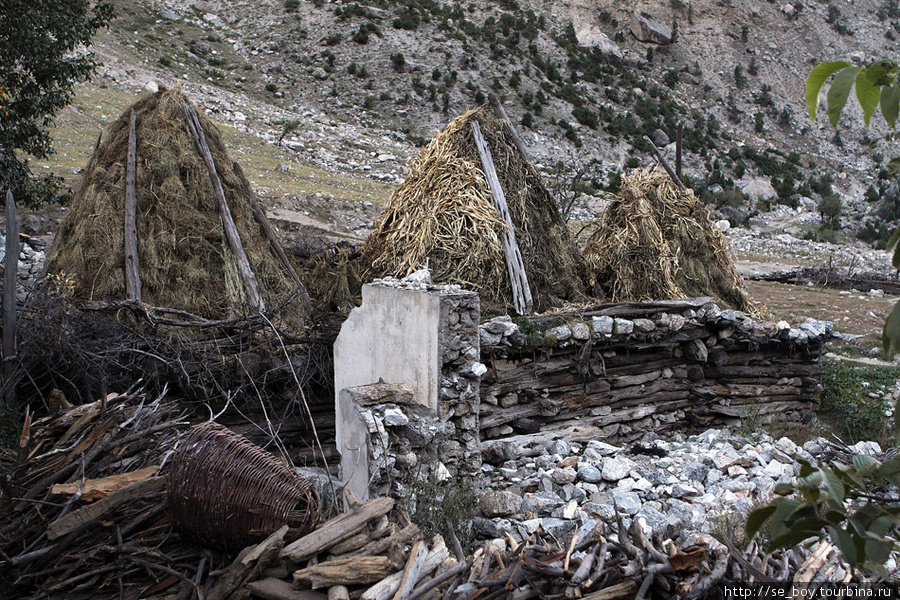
272	588
8	398
384	545
132	264
679	138
348	571
92	512
662	160
97	489
249	564
251	287
336	530
501	113
518	279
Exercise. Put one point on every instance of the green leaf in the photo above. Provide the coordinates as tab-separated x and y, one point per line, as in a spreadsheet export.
839	92
868	95
895	237
844	542
792	538
850	475
894	167
890	335
879	73
833	483
783	489
757	518
865	465
890	103
817	78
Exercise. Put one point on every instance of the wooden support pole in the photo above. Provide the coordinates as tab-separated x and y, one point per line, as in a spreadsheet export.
132	265
515	266
251	287
679	138
501	113
9	302
662	160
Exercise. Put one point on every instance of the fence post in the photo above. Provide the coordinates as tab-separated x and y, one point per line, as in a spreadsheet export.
9	303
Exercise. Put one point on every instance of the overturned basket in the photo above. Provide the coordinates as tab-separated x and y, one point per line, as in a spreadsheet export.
228	492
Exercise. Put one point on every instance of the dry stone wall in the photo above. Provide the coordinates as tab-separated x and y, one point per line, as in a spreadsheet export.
625	369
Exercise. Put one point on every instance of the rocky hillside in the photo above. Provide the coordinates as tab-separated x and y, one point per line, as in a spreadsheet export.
356	86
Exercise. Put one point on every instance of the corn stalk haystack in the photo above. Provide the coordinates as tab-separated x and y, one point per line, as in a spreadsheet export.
444	212
185	260
656	241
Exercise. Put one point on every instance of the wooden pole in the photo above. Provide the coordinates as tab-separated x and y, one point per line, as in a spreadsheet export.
501	113
678	141
518	279
662	160
9	303
251	287
132	265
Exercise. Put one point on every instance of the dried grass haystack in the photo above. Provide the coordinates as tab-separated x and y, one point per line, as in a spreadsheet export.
444	212
656	241
185	260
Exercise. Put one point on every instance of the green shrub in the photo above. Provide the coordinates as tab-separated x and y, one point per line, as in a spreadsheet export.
271	87
291	5
334	39
398	61
846	401
830	209
586	117
527	120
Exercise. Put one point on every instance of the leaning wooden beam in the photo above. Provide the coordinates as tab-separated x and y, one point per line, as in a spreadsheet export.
501	113
351	571
518	279
251	287
247	567
132	265
336	530
662	160
9	302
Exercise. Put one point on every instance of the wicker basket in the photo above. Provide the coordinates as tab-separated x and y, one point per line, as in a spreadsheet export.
226	491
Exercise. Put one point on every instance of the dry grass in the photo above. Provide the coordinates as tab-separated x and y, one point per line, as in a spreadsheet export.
184	259
656	241
444	213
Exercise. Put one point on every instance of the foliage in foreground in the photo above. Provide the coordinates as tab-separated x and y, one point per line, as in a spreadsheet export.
876	87
846	399
848	503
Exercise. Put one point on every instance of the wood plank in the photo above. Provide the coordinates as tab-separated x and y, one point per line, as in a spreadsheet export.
248	278
10	282
247	567
272	588
97	489
515	266
132	264
92	512
336	530
348	571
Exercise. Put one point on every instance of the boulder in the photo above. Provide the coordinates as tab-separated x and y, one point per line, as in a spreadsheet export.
590	36
650	30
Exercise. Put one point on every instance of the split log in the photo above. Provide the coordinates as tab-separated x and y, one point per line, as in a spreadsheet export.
348	571
518	279
92	512
336	530
132	264
97	489
272	588
251	286
386	546
8	398
248	566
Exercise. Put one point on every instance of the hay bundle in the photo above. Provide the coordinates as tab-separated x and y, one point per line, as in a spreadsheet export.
185	261
444	212
657	242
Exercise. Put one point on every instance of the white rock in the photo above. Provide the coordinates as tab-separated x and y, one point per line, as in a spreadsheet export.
394	417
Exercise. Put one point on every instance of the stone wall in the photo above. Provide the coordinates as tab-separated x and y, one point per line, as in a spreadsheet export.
622	370
425	336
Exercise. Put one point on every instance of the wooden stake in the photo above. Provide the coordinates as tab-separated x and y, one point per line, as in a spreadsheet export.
662	160
132	266
9	302
501	113
518	279
251	287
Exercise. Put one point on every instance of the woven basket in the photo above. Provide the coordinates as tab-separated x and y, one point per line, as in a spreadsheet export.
226	491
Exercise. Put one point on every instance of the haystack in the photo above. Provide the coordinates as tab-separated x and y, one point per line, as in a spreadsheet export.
444	212
656	242
184	258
